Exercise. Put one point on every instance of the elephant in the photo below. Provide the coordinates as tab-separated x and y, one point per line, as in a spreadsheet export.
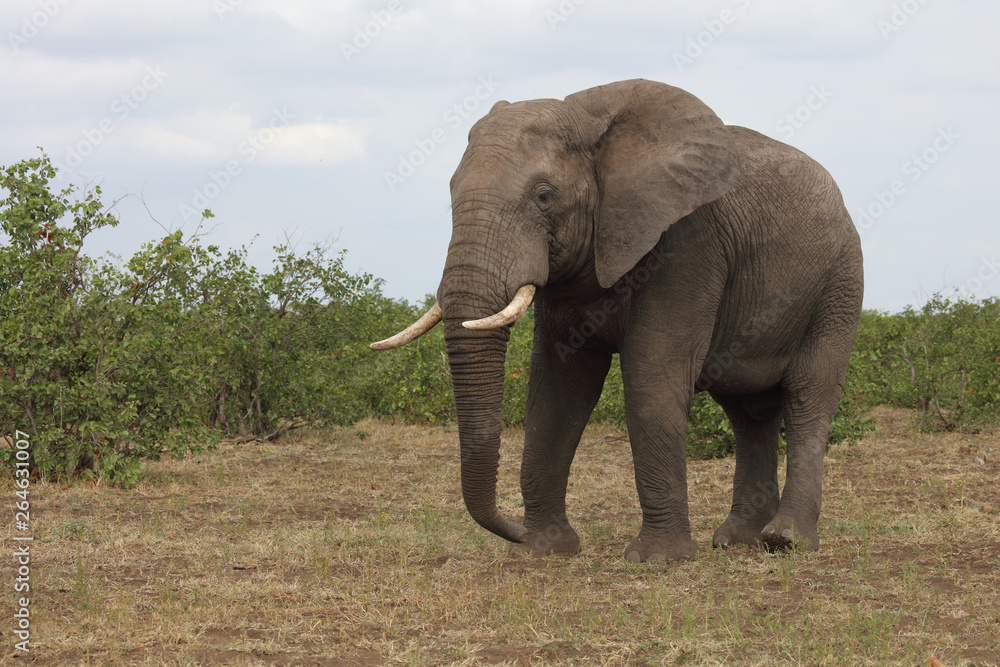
709	257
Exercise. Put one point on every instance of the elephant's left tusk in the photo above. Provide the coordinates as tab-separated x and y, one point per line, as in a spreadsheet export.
518	305
412	332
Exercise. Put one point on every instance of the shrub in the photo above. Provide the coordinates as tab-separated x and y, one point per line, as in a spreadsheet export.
411	383
287	341
105	363
942	360
96	369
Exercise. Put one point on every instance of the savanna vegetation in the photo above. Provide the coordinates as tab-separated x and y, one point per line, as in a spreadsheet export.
109	361
327	526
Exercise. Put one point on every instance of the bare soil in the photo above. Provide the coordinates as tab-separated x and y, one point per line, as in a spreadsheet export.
352	547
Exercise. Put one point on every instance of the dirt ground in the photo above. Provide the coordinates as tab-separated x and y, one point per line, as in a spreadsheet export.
352	547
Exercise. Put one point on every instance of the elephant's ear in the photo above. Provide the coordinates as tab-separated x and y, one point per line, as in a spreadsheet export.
662	154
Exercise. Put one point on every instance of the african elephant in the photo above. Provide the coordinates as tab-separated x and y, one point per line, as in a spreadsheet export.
708	256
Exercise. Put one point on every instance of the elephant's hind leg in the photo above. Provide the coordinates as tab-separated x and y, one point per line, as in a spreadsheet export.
808	411
756	421
812	387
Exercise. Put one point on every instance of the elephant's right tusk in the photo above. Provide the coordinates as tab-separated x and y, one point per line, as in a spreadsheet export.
518	305
412	332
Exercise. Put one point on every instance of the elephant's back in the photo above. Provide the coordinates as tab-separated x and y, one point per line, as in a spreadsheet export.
784	203
787	238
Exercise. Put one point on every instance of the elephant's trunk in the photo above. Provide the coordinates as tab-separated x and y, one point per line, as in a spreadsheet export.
482	277
476	359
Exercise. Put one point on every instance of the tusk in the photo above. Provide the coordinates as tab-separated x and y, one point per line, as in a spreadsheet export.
518	305
412	332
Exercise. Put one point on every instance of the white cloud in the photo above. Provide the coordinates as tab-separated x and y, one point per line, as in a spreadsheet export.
306	16
117	20
214	136
310	144
38	77
157	141
354	119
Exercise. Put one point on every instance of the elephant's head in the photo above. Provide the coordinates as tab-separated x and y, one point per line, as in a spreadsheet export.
559	195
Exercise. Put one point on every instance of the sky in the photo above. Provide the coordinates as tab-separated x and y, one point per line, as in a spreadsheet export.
342	121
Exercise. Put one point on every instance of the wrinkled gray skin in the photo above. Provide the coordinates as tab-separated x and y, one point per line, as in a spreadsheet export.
710	257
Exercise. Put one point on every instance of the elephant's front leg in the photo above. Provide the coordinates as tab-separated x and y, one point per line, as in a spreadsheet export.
656	408
563	389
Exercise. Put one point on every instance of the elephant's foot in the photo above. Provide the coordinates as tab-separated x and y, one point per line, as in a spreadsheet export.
675	548
784	532
739	530
552	540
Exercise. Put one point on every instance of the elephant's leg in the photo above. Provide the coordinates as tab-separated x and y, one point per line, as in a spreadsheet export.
756	422
656	408
812	389
563	389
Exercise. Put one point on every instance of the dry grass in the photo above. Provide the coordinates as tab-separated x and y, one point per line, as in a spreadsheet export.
352	547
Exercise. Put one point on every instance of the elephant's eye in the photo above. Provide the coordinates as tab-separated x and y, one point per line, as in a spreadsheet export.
545	197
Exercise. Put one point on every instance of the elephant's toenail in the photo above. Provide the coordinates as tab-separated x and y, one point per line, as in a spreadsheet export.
633	557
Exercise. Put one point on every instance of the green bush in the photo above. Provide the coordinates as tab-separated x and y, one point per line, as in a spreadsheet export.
709	433
97	371
942	360
411	383
105	363
287	341
517	368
